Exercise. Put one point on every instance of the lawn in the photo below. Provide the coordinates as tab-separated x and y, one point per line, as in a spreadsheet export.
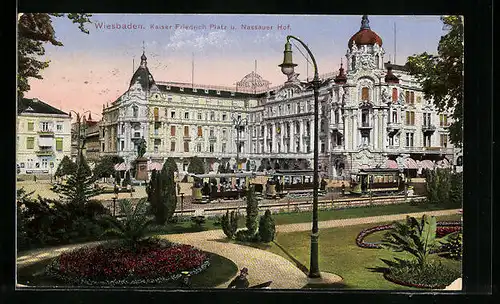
340	255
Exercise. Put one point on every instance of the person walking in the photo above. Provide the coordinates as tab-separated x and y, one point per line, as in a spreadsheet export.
240	281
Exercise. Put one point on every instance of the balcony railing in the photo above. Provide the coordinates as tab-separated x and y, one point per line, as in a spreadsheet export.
394	126
428	128
46	132
45	152
337	126
365	125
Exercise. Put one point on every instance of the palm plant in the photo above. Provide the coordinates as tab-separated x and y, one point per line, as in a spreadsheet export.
415	237
134	224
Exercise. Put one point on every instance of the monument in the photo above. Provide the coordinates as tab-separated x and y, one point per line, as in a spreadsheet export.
141	163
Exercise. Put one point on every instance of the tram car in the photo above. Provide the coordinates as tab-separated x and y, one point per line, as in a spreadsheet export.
284	182
377	182
223	186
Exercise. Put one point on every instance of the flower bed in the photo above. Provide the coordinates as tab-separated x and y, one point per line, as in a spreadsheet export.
150	263
431	276
443	228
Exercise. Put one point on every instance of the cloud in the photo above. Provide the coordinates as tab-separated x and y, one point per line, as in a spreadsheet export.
196	40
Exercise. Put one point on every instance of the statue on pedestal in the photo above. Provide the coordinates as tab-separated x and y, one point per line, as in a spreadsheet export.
141	147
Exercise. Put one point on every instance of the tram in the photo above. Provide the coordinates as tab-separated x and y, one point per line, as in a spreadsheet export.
377	182
284	182
209	187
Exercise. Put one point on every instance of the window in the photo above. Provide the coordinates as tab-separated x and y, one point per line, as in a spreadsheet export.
443	138
172	114
211	148
200	132
123	129
365	139
412	97
224	116
223	147
419	99
172	131
409	139
279	110
365	118
155	113
365	94
391	140
394	94
322	148
172	146
212	132
31	126
186	131
427	141
169	99
186	146
122	145
103	147
186	115
44	163
427	119
262	128
443	120
288	109
410	118
44	126
407	96
394	116
137	134
199	116
135	111
212	115
30	143
59	127
198	147
224	134
59	144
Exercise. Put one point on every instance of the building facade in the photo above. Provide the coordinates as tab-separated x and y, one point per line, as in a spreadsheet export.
43	137
372	114
90	130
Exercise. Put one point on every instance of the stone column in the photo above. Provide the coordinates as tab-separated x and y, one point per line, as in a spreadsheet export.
347	136
354	130
273	133
282	130
292	136
301	134
384	131
374	137
264	148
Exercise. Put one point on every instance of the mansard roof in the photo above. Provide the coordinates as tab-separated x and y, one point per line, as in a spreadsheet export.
34	105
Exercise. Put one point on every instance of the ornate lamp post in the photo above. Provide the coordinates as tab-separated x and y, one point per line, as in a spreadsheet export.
287	68
239	124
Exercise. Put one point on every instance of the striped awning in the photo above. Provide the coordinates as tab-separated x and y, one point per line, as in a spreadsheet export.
444	163
410	163
426	164
391	164
154	165
122	167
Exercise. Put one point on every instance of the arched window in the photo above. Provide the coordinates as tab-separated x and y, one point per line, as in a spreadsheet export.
353	62
365	94
186	131
376	61
156	113
135	111
394	94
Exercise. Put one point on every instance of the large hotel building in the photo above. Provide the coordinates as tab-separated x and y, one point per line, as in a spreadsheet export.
372	114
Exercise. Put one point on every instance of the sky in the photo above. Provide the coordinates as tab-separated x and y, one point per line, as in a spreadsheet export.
94	69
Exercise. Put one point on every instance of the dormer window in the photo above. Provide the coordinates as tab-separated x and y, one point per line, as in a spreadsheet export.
206	91
218	92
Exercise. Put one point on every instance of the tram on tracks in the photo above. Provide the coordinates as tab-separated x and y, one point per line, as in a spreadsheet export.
292	182
224	186
377	181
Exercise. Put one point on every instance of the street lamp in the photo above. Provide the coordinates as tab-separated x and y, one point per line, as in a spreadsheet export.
239	124
51	167
182	204
287	68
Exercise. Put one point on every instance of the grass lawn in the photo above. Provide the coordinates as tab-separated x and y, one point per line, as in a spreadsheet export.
340	255
220	271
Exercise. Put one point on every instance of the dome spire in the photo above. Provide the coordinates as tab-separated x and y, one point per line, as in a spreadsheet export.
341	78
365	23
144	61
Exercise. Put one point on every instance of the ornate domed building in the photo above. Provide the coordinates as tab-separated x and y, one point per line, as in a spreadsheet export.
372	114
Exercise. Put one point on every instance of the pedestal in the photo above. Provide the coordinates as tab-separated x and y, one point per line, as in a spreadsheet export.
141	169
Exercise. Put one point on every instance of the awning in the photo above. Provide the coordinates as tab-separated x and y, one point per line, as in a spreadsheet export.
154	165
45	141
426	164
122	167
391	164
364	166
444	163
410	163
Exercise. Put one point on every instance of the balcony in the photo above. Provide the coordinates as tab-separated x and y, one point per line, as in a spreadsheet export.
212	138
365	125
337	126
394	126
187	137
46	132
45	152
428	128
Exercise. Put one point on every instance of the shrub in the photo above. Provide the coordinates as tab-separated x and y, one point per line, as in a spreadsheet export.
157	197
247	236
252	211
267	227
198	221
444	187
65	167
431	275
229	223
452	246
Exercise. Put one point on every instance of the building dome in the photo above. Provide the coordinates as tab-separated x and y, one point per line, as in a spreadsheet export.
365	36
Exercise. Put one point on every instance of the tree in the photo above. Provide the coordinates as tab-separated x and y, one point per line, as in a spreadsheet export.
414	237
105	167
439	186
155	190
196	166
229	224
66	167
34	30
170	197
442	75
252	211
80	186
267	227
133	227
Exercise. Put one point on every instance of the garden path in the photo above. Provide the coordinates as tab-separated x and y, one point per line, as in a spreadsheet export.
262	265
